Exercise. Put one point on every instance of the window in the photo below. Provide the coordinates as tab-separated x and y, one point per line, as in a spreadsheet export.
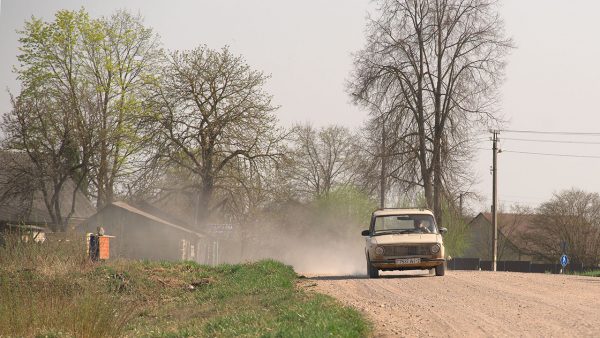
417	223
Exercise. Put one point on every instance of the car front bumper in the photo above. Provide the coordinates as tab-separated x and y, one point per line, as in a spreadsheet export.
390	264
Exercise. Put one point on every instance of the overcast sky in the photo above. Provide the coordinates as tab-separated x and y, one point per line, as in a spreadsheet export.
553	76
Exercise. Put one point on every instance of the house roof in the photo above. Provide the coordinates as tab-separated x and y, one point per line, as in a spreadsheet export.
160	213
514	226
129	208
22	202
521	222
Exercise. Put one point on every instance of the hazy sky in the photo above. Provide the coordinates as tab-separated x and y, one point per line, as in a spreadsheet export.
553	76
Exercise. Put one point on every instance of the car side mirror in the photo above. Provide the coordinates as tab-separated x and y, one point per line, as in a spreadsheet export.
443	230
365	233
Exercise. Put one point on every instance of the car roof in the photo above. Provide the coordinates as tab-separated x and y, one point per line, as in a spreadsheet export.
399	211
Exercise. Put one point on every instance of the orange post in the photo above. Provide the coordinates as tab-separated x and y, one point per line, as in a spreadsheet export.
104	247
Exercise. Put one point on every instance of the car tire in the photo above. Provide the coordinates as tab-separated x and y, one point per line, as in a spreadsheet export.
440	270
372	271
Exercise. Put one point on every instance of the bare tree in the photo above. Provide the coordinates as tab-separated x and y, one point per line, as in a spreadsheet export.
322	159
211	112
387	148
571	216
443	61
43	155
49	121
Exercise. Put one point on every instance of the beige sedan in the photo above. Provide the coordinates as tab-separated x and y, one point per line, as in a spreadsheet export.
404	239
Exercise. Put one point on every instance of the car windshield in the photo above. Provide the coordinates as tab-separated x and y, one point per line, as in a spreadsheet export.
405	224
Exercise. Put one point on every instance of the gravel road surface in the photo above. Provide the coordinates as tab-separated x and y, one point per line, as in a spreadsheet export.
471	303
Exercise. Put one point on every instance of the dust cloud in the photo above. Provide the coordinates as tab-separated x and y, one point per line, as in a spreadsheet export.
313	243
328	255
315	239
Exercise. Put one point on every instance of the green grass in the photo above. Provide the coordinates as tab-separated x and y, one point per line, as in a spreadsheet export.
76	298
593	273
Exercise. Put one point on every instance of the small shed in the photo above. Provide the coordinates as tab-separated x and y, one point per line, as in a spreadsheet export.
140	234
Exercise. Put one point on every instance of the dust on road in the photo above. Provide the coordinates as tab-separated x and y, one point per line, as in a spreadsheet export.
472	303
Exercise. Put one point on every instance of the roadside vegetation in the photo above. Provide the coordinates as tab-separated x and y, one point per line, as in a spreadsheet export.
591	273
52	290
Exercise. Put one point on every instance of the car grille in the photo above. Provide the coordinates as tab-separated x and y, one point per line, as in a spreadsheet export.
406	250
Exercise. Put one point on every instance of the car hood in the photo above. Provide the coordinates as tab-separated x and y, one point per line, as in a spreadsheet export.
406	239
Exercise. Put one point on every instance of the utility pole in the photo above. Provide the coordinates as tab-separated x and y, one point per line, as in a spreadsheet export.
495	199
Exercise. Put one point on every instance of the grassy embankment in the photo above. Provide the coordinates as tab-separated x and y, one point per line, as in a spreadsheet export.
52	290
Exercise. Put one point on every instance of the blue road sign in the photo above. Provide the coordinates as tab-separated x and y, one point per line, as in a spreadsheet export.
564	260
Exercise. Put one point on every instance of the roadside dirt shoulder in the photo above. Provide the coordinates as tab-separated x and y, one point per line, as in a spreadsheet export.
473	303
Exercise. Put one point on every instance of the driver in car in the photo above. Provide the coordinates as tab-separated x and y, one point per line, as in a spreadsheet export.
421	226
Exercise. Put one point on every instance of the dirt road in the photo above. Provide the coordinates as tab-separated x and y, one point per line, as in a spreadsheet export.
472	303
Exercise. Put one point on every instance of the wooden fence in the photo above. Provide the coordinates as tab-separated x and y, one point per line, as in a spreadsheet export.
515	266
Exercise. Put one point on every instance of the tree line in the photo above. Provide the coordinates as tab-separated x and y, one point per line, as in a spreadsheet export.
103	104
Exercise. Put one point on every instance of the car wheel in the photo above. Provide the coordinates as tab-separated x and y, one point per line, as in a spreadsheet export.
440	270
372	271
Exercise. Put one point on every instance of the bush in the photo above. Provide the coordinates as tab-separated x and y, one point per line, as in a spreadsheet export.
456	240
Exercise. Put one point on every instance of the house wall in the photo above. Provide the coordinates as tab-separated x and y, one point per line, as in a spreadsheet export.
481	242
480	239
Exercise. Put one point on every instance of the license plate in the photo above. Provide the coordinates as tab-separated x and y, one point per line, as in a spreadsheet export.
408	260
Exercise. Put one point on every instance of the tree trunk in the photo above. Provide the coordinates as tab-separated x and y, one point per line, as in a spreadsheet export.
206	193
382	178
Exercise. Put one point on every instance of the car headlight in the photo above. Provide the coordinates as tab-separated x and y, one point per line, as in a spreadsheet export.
435	248
379	250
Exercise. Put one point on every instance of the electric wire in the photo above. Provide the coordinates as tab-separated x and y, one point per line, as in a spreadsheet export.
547	141
549	154
531	203
549	132
543	154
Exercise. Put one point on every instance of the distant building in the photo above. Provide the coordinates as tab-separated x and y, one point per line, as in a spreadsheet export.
512	237
27	233
225	244
149	233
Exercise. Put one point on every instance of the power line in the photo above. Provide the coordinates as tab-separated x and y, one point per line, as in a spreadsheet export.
542	154
548	141
549	154
548	132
